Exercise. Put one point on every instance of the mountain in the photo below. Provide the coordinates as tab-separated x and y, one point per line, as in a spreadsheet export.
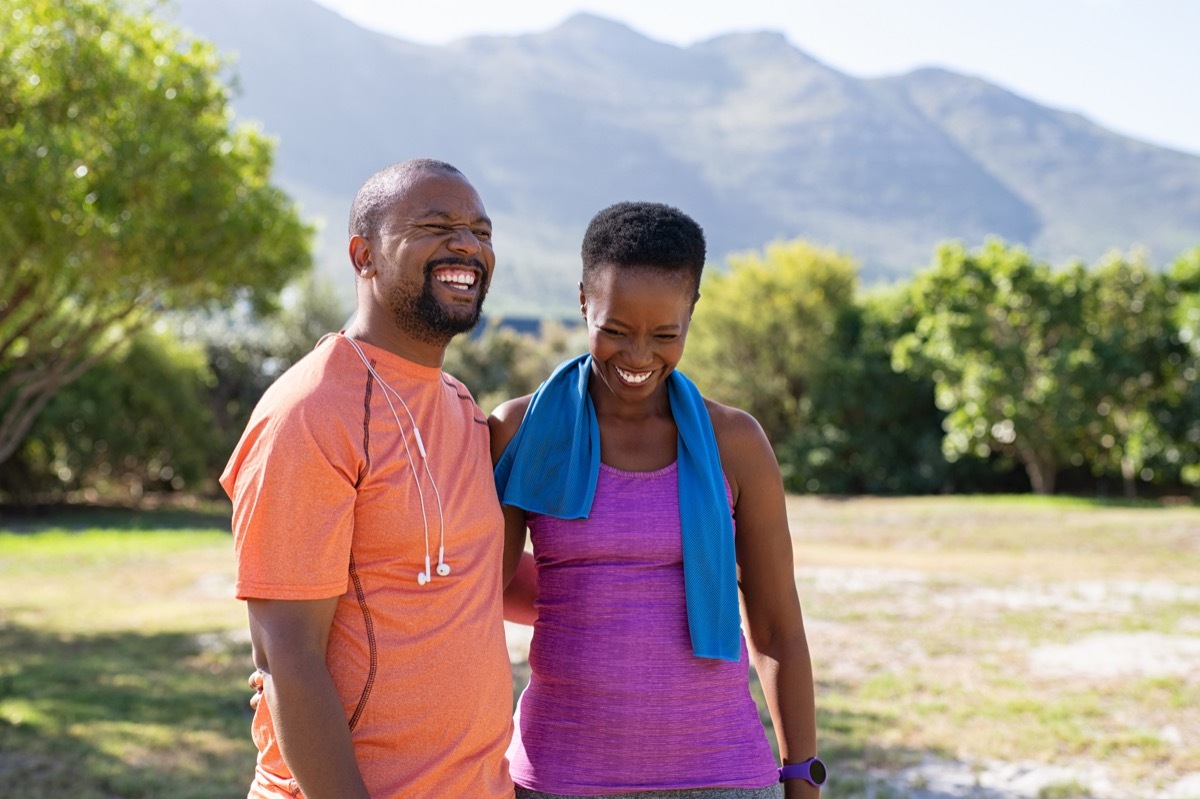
750	135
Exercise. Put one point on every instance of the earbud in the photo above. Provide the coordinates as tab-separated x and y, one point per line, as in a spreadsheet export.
423	577
443	568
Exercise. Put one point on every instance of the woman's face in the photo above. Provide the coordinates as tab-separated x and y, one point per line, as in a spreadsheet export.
637	321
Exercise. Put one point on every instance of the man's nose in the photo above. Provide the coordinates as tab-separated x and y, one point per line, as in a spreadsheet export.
463	240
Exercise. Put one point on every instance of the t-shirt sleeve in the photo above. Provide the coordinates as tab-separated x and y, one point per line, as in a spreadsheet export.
293	481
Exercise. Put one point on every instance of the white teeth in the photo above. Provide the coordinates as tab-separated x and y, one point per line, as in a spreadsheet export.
633	377
457	279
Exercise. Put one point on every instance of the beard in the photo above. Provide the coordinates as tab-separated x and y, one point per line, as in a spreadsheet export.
425	319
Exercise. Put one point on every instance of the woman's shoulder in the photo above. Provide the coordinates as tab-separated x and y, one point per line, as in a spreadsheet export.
732	424
504	422
743	444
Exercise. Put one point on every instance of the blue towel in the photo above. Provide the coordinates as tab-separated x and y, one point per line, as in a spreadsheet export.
553	462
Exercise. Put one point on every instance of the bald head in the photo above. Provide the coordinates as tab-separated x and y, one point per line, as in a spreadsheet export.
381	191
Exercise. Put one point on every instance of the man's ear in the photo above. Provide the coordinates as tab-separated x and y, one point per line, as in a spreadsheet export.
582	301
360	256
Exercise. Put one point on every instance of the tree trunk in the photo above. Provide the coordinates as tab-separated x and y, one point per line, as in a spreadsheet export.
21	401
1041	471
1129	477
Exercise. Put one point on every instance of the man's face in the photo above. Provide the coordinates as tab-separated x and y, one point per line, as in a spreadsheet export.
436	251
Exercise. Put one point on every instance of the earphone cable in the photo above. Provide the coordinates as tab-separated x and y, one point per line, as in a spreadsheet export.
408	454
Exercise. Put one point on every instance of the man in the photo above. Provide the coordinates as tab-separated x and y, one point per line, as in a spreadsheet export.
368	534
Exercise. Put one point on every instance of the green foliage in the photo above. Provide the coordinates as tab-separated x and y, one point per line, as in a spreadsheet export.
246	351
164	410
784	336
135	421
1179	410
765	328
1132	341
125	190
1002	337
867	428
1070	368
500	363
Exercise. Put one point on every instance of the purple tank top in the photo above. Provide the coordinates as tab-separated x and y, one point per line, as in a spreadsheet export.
616	700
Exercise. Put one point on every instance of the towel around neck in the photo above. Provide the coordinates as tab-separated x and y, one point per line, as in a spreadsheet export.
552	464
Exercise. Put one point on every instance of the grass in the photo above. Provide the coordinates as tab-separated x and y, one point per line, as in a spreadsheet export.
958	632
976	630
122	659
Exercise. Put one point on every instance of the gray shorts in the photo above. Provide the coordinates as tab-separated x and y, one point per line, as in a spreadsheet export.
774	791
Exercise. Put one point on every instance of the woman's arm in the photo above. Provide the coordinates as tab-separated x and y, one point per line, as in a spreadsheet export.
521	593
768	584
519	578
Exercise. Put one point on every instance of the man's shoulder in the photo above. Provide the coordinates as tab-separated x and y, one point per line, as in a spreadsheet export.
315	381
463	396
458	386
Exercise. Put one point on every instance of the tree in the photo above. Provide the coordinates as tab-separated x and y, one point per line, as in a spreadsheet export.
867	428
126	191
246	351
1002	338
763	329
137	420
1179	410
1128	316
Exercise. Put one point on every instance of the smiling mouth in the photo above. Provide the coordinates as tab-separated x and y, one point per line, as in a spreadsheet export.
633	378
458	279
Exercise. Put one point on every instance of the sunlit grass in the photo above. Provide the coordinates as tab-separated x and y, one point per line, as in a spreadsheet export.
123	655
122	662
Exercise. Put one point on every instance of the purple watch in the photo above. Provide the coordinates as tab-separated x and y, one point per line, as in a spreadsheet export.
811	771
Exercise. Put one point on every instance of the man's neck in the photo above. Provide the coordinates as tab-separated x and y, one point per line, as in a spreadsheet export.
387	337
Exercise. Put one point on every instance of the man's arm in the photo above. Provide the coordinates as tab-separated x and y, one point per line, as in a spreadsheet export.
290	639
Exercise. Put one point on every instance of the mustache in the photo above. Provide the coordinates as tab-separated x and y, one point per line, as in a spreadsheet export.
473	263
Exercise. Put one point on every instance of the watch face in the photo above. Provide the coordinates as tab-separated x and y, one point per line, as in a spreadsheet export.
816	770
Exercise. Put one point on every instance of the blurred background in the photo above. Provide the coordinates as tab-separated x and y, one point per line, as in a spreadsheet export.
966	260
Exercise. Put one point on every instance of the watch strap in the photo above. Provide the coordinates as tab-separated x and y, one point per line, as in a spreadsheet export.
811	771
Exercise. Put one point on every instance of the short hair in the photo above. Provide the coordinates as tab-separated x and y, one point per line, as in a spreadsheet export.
381	191
644	235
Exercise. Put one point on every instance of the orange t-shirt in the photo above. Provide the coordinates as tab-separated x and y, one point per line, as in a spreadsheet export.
326	503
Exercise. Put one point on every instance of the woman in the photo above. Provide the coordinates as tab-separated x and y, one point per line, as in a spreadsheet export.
632	486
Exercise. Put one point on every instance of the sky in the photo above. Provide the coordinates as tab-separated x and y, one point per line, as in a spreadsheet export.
1129	65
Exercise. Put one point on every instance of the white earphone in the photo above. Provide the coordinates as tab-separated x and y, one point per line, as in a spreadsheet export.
443	568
